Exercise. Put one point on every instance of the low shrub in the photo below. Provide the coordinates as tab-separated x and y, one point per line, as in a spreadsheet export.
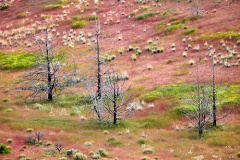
30	140
148	150
134	57
102	152
29	130
5	6
79	24
4	149
9	140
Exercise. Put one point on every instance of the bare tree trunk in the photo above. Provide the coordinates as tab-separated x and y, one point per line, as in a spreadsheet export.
115	103
214	95
50	88
197	7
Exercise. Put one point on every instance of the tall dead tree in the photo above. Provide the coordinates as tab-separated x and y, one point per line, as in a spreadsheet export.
116	97
48	76
94	83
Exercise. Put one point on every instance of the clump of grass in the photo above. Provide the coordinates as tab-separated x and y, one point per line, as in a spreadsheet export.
141	141
146	15
184	20
9	110
114	142
22	15
190	31
93	17
79	24
183	110
29	130
52	7
9	140
15	61
5	6
172	28
76	18
102	152
79	156
134	57
220	35
159	27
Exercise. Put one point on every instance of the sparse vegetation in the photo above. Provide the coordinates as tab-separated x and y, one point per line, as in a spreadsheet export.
93	18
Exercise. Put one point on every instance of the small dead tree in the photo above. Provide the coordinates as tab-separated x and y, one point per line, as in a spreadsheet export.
39	136
115	96
48	76
59	147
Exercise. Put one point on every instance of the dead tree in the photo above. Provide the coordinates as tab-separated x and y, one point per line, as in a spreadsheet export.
201	101
115	97
94	83
48	77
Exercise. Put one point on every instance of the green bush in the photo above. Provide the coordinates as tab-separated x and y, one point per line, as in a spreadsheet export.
29	130
53	7
93	17
5	6
146	15
4	149
79	24
9	110
79	156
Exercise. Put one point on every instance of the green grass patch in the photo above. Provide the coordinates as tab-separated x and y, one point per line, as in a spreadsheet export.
167	91
22	15
141	141
190	31
146	15
228	96
15	61
79	24
220	35
159	26
53	7
183	110
93	17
